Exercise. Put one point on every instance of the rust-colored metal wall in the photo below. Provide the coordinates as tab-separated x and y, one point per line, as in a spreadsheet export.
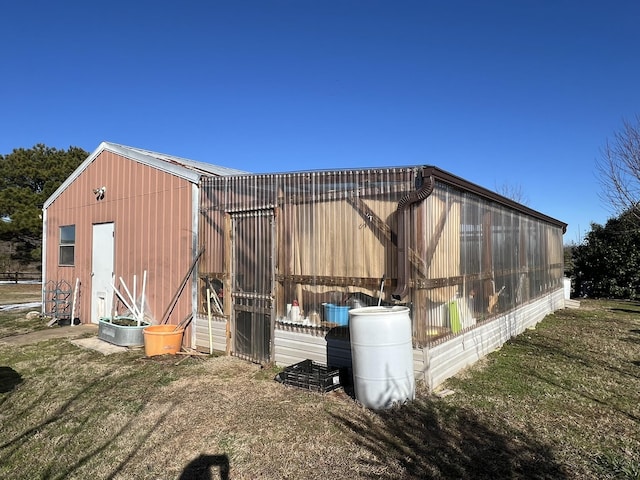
152	212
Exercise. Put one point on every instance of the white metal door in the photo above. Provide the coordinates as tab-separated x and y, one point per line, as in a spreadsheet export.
102	270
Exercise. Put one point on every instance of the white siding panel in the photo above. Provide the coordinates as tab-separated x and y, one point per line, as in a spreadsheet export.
293	347
419	365
218	329
433	366
447	359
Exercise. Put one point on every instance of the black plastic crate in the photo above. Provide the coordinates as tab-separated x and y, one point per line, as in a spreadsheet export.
311	375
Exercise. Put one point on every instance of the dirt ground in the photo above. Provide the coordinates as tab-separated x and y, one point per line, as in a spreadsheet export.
227	419
69	332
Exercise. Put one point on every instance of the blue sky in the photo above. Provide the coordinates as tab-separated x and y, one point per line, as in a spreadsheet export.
517	93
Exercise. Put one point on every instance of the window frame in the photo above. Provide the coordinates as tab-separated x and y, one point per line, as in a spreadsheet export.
67	243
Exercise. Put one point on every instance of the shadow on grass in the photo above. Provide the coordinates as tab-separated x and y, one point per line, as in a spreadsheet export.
635	339
13	445
589	359
632	340
428	439
77	410
582	393
200	468
625	310
590	363
9	379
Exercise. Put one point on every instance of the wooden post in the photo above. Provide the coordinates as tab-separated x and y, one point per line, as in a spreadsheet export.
489	286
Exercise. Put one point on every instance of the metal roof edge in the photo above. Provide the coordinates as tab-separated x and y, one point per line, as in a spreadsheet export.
455	181
184	166
442	176
75	174
194	172
202	168
126	152
189	170
153	159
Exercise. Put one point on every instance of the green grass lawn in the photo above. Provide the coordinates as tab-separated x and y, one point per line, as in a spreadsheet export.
572	383
558	402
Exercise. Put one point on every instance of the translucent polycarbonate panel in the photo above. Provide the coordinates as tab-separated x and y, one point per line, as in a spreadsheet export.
335	232
253	253
338	240
479	259
252	282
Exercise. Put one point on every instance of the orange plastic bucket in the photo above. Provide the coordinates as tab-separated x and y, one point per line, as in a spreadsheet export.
162	339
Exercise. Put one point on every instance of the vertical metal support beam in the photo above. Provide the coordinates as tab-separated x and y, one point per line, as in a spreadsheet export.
195	280
228	269
274	285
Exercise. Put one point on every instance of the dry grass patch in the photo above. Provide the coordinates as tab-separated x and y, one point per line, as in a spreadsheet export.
20	293
557	402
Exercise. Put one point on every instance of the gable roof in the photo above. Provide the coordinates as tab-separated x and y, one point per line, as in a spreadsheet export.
163	161
190	170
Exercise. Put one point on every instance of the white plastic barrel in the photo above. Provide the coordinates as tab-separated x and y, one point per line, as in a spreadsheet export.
382	356
567	288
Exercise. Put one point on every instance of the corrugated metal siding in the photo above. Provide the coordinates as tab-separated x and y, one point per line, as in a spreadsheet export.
420	365
152	213
218	333
293	347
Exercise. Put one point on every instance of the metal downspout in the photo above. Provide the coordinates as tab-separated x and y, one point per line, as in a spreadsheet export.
424	188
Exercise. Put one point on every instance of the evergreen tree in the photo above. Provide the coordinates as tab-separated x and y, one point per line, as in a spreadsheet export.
607	263
27	178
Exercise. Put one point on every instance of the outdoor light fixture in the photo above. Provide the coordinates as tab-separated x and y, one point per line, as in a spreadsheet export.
99	192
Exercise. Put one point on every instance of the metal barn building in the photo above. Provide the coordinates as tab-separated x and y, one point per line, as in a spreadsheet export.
287	254
122	212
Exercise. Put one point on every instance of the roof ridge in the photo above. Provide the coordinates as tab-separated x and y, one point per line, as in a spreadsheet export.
200	166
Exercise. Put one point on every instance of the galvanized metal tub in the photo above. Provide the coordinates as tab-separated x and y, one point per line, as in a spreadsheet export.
117	331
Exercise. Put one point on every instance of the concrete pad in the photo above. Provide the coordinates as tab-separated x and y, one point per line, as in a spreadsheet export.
94	343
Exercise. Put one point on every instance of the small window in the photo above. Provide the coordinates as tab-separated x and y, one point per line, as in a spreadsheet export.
67	245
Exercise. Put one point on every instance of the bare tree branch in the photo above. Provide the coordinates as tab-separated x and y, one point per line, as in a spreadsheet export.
513	192
619	170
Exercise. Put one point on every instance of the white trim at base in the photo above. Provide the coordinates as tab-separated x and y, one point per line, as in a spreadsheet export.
447	359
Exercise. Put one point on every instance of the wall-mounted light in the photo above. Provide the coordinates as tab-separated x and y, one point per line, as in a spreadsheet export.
99	192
